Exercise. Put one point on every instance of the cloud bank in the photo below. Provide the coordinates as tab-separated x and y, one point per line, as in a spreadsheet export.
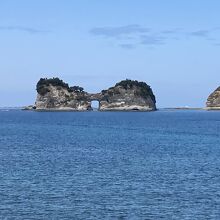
131	36
119	31
22	29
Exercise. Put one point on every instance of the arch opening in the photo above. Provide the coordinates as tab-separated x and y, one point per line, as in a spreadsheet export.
95	105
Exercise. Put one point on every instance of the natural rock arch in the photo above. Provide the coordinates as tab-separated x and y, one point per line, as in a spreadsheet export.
95	105
127	95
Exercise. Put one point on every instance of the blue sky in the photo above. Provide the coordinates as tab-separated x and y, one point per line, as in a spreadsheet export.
172	45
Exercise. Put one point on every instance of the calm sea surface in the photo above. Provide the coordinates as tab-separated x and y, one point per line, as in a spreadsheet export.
110	165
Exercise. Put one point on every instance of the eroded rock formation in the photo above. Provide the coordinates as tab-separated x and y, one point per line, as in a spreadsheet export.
54	94
128	95
213	101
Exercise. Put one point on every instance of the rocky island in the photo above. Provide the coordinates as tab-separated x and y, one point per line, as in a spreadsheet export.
128	95
213	101
54	94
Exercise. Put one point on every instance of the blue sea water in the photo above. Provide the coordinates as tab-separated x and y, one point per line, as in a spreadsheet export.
110	165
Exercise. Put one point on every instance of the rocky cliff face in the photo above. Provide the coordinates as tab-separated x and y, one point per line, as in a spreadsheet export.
54	94
128	95
213	101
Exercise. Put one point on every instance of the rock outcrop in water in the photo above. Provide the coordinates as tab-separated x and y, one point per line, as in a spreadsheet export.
128	95
54	95
213	101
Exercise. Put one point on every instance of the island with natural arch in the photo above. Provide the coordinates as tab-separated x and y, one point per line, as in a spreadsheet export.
53	94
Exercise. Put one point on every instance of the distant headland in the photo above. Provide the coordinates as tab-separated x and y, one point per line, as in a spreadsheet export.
128	95
213	101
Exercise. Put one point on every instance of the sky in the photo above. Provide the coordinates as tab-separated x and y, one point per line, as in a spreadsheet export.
174	46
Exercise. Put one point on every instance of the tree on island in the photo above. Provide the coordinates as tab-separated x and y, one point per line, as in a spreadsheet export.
43	83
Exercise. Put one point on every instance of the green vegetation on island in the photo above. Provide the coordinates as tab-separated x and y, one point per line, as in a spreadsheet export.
44	83
144	90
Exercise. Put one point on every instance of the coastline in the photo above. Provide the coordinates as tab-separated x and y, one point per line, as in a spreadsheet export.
101	110
212	108
119	109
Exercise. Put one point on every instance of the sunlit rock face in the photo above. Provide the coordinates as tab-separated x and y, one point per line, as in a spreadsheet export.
213	101
54	94
127	95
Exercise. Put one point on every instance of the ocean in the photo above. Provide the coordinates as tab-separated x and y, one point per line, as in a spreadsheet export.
110	165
